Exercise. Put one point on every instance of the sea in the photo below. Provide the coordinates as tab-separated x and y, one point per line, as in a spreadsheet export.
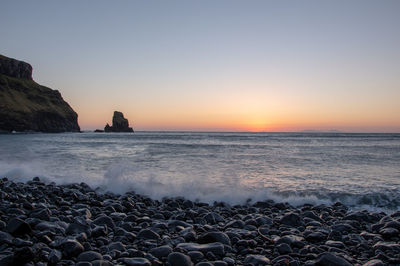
359	170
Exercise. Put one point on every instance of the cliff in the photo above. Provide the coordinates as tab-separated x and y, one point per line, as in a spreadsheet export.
119	124
28	106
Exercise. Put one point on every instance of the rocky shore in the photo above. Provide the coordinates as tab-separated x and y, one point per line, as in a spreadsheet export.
49	224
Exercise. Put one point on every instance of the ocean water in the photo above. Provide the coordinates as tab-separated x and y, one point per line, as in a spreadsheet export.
360	170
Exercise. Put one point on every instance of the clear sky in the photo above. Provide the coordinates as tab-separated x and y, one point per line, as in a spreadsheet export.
215	65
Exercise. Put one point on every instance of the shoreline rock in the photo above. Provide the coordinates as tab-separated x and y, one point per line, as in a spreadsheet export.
66	224
26	106
119	124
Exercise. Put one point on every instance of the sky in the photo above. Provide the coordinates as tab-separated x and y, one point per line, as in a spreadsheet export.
215	65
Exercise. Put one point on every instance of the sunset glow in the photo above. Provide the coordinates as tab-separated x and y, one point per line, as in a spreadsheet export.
225	66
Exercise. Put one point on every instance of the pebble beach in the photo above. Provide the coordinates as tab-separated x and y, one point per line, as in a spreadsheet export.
49	224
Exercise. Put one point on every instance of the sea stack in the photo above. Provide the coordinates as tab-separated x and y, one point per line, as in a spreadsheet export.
119	124
28	106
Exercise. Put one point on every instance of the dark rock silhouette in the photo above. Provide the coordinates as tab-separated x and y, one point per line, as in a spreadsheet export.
15	68
28	106
119	124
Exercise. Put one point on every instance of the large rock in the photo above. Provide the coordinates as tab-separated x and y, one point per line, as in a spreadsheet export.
28	106
119	124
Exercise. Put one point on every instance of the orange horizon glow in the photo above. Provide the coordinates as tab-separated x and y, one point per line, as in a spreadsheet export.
242	124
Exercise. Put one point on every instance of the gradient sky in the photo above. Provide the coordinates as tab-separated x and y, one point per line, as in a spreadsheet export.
215	65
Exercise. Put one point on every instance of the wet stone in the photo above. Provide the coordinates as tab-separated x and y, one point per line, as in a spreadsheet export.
211	237
160	252
331	259
136	262
179	259
196	256
72	248
284	248
104	220
389	232
89	256
17	226
23	255
148	234
216	248
292	219
256	260
55	256
374	263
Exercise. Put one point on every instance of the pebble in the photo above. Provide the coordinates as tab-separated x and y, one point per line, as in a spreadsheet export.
331	259
256	260
216	248
148	234
179	259
18	226
89	256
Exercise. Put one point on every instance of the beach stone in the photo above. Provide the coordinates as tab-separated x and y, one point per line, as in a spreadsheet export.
175	223
235	224
83	212
374	263
50	226
336	244
179	259
160	252
330	259
89	256
284	248
5	238
311	215
136	262
196	256
104	220
7	260
23	255
18	242
357	216
83	263
16	226
389	232
256	260
292	219
43	214
216	248
188	234
211	237
219	263
99	231
385	246
116	246
101	263
342	227
292	240
148	234
204	263
315	237
393	224
263	220
55	256
229	261
213	218
72	248
78	227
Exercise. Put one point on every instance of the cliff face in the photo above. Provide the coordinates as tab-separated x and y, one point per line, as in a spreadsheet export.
119	124
28	106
